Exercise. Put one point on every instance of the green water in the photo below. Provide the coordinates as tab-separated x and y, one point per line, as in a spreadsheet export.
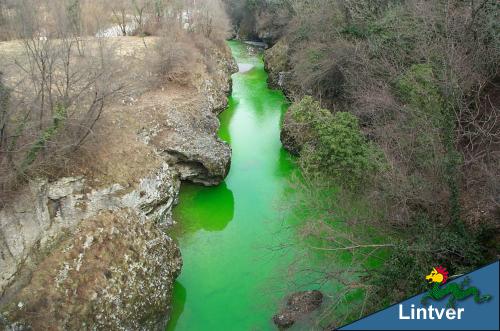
240	246
233	275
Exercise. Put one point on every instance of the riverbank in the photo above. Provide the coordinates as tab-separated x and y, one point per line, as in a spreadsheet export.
402	127
245	257
88	249
227	234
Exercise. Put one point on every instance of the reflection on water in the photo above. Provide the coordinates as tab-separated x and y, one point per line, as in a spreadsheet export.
225	117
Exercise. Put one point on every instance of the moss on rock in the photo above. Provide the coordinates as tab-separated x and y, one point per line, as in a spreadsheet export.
101	279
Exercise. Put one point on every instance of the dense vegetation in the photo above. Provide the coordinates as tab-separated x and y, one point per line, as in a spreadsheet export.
405	118
332	144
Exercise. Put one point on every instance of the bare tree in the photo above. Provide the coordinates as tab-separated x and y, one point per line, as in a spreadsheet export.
4	104
119	10
140	9
57	100
211	18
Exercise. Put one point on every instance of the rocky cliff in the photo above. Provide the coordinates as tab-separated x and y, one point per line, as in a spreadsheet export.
277	63
91	251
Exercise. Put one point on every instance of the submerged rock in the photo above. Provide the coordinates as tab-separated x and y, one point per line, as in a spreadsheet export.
297	305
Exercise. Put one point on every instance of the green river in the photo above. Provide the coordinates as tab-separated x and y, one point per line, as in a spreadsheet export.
234	275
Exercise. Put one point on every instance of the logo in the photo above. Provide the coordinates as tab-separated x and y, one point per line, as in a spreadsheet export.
434	308
456	292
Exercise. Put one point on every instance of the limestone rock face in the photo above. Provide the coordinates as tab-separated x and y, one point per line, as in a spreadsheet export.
101	278
297	305
187	137
79	253
277	64
202	161
187	140
45	211
218	86
155	196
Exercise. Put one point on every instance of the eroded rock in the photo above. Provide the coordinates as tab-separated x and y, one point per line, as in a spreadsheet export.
115	273
45	211
73	256
277	64
186	133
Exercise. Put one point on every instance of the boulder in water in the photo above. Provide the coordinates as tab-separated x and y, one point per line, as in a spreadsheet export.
298	304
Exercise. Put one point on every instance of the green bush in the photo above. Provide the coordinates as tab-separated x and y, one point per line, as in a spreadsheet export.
417	87
355	31
423	120
336	146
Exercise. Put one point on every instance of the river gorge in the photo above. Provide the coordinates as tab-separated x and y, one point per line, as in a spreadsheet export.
242	164
239	242
242	252
230	274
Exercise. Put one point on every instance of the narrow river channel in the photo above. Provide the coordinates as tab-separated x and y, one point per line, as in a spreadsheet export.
232	279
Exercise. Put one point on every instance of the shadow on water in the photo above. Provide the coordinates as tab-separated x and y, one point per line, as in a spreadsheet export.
283	166
180	295
225	117
215	208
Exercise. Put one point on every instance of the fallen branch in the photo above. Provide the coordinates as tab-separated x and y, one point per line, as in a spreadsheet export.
352	247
